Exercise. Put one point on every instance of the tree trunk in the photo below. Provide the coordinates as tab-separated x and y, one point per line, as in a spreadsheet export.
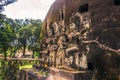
5	55
14	51
24	47
33	54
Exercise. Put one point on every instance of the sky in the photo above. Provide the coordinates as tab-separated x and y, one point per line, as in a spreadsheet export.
36	9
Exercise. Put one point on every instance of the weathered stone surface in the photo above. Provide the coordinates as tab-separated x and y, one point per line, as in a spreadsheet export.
100	20
53	74
81	29
70	75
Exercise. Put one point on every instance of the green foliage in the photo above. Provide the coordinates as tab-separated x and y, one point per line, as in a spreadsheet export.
19	34
35	38
5	3
5	35
28	34
9	70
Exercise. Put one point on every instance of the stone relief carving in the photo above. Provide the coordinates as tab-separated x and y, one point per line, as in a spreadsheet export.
65	45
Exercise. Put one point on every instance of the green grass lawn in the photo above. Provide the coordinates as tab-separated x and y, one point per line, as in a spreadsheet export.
20	67
25	66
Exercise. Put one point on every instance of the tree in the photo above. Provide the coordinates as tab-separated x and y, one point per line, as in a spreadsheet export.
23	37
35	39
29	34
5	31
5	3
5	35
14	45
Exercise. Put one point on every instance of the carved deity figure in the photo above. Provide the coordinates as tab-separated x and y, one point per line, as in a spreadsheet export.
76	50
62	42
51	47
74	35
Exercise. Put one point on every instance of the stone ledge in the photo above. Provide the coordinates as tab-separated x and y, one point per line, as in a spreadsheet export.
55	74
70	75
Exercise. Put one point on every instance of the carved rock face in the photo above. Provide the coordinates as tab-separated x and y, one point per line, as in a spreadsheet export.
89	28
66	48
72	27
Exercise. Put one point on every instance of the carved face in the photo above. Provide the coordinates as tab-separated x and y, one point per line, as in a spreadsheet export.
72	27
